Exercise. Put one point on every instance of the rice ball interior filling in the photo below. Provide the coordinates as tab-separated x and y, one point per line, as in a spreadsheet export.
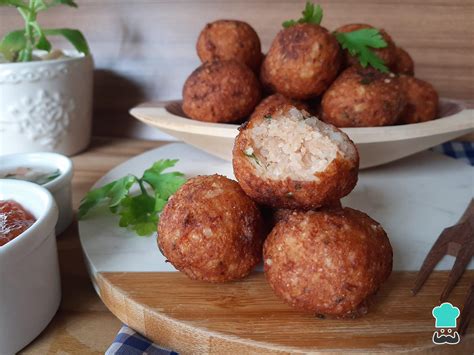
295	145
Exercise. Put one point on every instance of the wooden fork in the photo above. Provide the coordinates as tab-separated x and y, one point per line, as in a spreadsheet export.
457	241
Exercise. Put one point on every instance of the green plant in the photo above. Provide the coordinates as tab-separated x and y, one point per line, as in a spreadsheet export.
18	46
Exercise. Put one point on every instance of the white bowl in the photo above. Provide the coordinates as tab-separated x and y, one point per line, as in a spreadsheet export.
46	105
30	290
59	187
376	145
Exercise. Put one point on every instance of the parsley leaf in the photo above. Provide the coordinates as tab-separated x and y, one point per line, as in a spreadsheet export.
250	154
311	14
359	44
164	184
138	212
111	191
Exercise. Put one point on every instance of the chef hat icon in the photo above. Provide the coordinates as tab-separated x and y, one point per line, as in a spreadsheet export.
446	315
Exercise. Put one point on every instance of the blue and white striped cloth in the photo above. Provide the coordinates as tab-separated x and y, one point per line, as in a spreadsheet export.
129	342
458	150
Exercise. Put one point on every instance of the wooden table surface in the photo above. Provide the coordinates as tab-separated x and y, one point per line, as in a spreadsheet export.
83	325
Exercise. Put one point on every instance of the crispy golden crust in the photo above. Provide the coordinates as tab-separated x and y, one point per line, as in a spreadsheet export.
404	63
230	39
221	91
302	62
267	106
335	182
282	213
387	54
327	262
211	230
363	98
422	100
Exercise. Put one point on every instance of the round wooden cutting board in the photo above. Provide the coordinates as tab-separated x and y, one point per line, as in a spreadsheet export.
414	199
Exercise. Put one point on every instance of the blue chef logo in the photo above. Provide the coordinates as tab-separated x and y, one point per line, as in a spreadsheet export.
446	316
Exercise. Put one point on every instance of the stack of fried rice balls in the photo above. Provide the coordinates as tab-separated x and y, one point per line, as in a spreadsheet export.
292	163
292	169
305	63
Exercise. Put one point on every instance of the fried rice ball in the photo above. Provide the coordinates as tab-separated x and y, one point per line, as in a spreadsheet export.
363	97
422	100
230	39
404	63
387	54
221	91
327	262
302	62
211	230
267	105
289	159
282	213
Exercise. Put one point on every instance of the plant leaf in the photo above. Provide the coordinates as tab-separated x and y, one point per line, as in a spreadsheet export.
311	14
359	44
138	213
116	191
64	2
12	44
289	23
75	37
16	3
120	189
166	184
45	4
42	42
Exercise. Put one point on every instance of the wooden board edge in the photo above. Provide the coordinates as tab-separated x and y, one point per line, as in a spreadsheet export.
174	334
187	339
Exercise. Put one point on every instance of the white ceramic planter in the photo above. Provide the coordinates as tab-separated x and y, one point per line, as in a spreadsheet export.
46	106
30	289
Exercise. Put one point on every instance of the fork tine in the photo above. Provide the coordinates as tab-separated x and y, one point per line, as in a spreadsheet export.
433	257
466	313
463	258
437	251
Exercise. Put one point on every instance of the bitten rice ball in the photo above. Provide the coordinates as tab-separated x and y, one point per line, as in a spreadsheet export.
211	230
327	262
290	159
302	62
221	91
387	54
422	100
404	63
363	97
230	39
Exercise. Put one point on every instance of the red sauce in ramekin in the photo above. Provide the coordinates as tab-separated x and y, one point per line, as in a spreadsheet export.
14	220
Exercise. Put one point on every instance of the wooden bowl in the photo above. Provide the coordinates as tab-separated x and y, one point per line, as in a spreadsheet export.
377	145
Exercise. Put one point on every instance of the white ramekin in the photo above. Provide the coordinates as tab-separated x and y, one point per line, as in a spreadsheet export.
59	187
30	289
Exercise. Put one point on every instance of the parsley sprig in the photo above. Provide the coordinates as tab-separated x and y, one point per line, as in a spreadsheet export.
359	44
139	212
311	14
